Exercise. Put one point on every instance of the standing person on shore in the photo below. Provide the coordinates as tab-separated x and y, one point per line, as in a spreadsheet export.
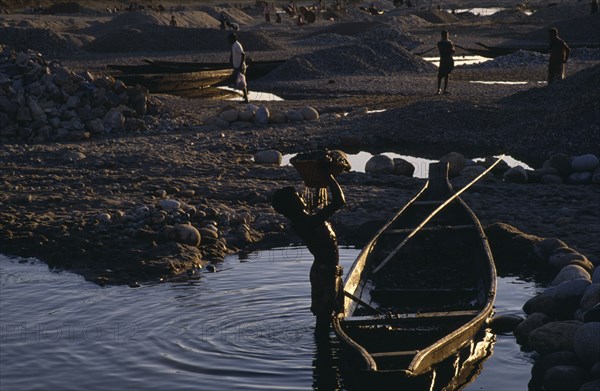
446	49
559	54
316	232
237	59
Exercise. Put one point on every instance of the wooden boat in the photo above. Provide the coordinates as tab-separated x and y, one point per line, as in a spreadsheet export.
255	69
414	297
177	82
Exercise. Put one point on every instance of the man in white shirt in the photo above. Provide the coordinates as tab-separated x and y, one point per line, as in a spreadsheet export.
238	62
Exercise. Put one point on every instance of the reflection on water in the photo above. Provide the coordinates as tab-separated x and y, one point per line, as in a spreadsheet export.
498	82
252	95
359	160
459	60
247	327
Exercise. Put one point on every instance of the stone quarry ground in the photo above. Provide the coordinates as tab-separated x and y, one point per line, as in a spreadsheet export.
52	193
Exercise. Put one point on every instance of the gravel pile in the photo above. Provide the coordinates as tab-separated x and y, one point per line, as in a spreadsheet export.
69	8
326	39
517	59
156	38
566	114
362	58
393	34
436	17
42	40
578	29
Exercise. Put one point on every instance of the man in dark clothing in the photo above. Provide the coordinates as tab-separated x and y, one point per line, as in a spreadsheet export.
446	49
559	54
320	239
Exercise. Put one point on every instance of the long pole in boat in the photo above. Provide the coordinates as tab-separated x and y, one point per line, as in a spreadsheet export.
442	206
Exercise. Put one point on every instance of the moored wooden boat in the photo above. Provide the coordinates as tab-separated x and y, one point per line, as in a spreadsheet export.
410	304
176	82
255	69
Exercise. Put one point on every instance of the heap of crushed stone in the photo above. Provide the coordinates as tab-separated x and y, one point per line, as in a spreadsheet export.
362	58
153	38
43	40
567	113
70	7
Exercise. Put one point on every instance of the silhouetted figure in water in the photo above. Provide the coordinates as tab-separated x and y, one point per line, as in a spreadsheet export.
594	5
559	54
320	239
446	49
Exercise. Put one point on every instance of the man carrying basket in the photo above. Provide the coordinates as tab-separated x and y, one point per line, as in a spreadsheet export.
320	239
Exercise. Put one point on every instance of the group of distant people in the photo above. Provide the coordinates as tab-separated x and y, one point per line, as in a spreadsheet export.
557	48
133	6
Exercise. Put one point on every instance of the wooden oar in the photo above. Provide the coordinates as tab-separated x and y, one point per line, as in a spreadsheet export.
442	206
426	51
359	301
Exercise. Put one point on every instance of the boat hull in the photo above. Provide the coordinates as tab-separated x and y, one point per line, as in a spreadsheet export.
412	303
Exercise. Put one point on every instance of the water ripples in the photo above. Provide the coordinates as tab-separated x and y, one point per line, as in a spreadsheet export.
248	327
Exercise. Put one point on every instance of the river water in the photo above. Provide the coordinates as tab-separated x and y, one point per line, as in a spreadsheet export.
245	327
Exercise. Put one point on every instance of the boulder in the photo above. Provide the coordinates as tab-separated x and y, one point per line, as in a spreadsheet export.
516	174
588	162
547	361
586	342
278	118
562	163
564	378
505	323
554	336
261	116
246	115
170	204
186	234
546	247
472	172
114	119
591	297
309	113
380	164
294	116
568	290
229	115
570	272
268	157
563	256
457	163
532	322
403	167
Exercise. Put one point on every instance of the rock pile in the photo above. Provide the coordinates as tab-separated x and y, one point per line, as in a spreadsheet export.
259	115
214	230
43	101
560	168
563	322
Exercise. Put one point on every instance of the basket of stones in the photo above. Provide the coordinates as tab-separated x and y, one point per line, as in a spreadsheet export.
315	166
